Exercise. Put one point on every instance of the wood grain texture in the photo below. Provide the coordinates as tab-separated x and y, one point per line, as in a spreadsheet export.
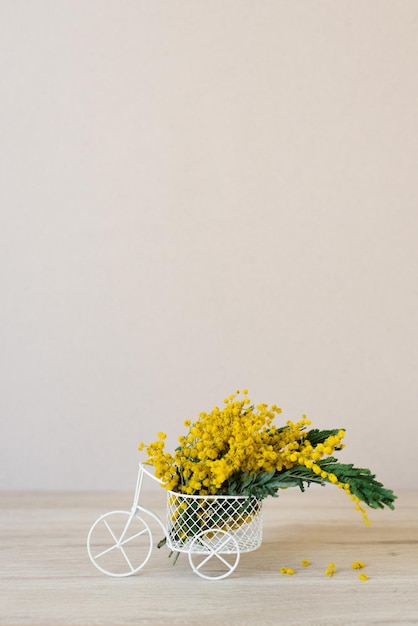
47	579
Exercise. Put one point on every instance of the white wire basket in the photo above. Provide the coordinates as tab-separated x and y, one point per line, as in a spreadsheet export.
201	524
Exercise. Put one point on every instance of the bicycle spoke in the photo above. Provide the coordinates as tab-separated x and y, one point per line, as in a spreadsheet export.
141	532
127	560
202	563
224	561
110	530
97	556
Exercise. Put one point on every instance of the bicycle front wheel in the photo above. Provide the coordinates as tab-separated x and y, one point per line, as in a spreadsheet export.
119	543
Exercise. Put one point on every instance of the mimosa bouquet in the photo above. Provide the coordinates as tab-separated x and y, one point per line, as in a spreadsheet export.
238	450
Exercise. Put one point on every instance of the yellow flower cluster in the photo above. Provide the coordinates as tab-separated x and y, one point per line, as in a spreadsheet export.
330	571
237	440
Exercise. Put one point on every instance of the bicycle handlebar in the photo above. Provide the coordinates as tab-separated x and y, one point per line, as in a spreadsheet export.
148	473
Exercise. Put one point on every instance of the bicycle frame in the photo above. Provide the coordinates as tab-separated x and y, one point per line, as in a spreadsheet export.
137	507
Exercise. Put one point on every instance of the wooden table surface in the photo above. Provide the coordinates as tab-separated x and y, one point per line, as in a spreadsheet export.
46	577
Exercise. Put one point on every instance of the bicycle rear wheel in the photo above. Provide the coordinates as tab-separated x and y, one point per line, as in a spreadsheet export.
214	554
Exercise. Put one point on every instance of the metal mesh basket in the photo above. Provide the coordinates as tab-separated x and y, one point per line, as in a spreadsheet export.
190	516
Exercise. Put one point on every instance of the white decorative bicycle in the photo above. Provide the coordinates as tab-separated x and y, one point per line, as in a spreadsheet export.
212	530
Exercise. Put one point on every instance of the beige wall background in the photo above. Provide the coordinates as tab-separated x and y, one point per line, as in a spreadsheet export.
199	196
